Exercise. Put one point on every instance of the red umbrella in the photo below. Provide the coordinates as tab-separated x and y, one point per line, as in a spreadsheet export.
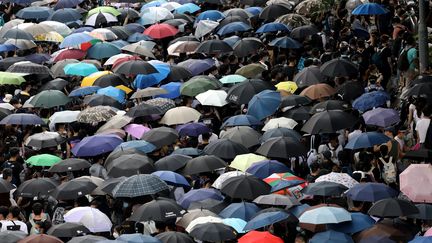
258	237
160	31
124	59
70	54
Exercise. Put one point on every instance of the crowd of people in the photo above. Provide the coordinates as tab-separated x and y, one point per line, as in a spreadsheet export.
190	121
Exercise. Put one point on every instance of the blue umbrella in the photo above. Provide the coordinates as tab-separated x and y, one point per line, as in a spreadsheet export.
272	27
146	80
155	3
172	178
286	43
80	69
192	129
381	117
173	89
284	184
371	192
140	145
188	151
367	140
255	11
83	91
359	223
22	119
199	195
242	120
137	238
36	13
232	40
242	210
135	37
211	15
113	92
96	145
82	30
237	224
369	9
7	47
75	39
102	50
65	15
298	209
187	7
370	100
120	43
135	28
264	169
266	219
422	239
331	236
264	104
233	27
197	66
38	58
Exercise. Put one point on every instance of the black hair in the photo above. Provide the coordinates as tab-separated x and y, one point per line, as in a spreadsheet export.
4	211
7	172
37	208
13	152
15	211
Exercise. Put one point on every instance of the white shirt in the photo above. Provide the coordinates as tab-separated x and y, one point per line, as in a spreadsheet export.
212	138
422	127
354	134
6	223
401	142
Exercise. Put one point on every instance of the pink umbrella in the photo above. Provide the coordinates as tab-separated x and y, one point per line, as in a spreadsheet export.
415	183
136	130
69	54
428	232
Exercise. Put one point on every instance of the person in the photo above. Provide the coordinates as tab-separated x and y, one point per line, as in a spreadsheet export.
13	221
387	166
333	147
4	211
314	172
24	94
423	124
37	215
41	227
98	170
13	164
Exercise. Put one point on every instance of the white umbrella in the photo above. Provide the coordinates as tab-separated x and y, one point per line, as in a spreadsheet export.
44	140
171	5
59	27
152	15
115	122
203	220
92	218
204	27
276	200
103	34
178	47
341	178
225	176
114	58
64	117
21	43
9	25
279	122
180	115
139	49
212	98
94	19
7	106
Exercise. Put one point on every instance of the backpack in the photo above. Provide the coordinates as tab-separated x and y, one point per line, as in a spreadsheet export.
428	140
403	63
389	170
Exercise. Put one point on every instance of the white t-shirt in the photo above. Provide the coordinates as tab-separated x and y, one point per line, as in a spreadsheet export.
352	135
422	127
23	226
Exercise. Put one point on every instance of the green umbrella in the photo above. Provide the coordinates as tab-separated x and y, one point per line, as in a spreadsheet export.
11	78
251	70
104	9
199	84
43	160
49	98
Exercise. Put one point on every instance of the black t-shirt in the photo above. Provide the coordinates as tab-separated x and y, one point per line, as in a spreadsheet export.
16	168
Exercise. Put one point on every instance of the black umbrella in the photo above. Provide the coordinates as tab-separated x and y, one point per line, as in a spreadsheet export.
243	135
128	165
295	100
161	136
349	91
210	204
173	236
130	13
246	187
111	79
308	76
393	208
237	12
108	185
304	31
231	19
172	162
175	22
178	73
121	31
57	84
119	152
339	67
205	163
87	239
329	122
72	164
243	92
73	189
4	113
330	105
99	99
300	113
419	90
253	2
280	132
214	47
247	46
68	230
184	38
16	33
144	109
186	17
421	154
160	210
273	11
36	187
325	189
425	212
8	61
213	232
135	67
282	147
225	149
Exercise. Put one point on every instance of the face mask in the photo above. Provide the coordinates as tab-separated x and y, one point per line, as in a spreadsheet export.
37	231
115	235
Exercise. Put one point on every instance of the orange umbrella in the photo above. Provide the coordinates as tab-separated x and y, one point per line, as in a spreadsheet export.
318	91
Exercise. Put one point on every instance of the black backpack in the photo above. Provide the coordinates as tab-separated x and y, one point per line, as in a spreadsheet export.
403	63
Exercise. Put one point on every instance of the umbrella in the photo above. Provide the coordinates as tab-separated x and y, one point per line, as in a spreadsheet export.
143	81
134	67
5	186
413	181
213	232
251	70
272	27
199	84
325	188
137	237
91	218
101	100
44	140
243	92
197	66
225	149
139	48
143	110
244	135
192	129
41	238
301	113
17	34
188	217
143	146
139	185
161	136
69	165
318	91
281	147
160	210
22	119
329	105
211	15
68	230
9	236
233	27
212	98
369	9
383	233
370	100
172	162
96	114
302	32
36	187
172	178
370	192
64	117
29	67
367	140
73	189
36	13
100	19
424	212
180	115
329	122
232	79
55	84
285	43
341	178
359	223
104	9
43	160
128	165
65	15
214	47
281	122
264	104
148	92
241	120
160	31
242	210
49	99
276	200
75	39
178	73
331	236
172	236
57	69
273	11
87	239
96	145
225	176
11	78
205	163
198	195
381	117
259	236
339	67
152	15
136	130
244	161
83	91
265	219
102	50
80	69
325	215
265	168
392	208
287	87
187	8
205	27
245	187
418	90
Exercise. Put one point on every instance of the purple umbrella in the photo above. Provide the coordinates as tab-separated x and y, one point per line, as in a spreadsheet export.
197	66
381	117
136	130
199	195
22	119
192	129
96	145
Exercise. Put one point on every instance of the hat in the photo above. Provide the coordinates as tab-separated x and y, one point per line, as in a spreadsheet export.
7	98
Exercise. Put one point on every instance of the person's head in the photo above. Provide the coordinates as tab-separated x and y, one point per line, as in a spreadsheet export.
383	150
37	209
4	211
401	132
26	87
14	153
41	227
14	212
427	111
206	137
314	167
389	131
15	103
7	174
334	141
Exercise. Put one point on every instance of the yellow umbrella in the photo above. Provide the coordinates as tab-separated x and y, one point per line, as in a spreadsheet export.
51	36
288	86
244	161
89	80
127	90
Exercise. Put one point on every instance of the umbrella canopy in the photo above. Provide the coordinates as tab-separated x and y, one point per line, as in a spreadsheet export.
213	232
381	117
172	162
36	187
55	84
244	161
245	187
329	122
277	200
325	215
43	160
225	149
325	188
49	99
243	210
199	195
180	115
358	223
302	32
161	136
281	147
73	189
139	185
318	91
259	236
338	68
198	85
341	178
205	27
134	67
367	140
41	238
69	165
160	209
243	135
172	236
11	78
370	100
243	92
212	98
68	230
96	145
247	46
192	129
172	178
273	11
266	219
96	114
308	76
143	110
160	31
264	104
417	192
370	192
392	208
369	9
263	169
44	140
205	163
80	69
22	119
12	236
128	165
331	236
92	218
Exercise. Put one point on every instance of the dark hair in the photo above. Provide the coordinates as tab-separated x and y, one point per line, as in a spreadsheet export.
206	136
15	211
13	152
37	208
7	172
383	150
4	211
314	167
